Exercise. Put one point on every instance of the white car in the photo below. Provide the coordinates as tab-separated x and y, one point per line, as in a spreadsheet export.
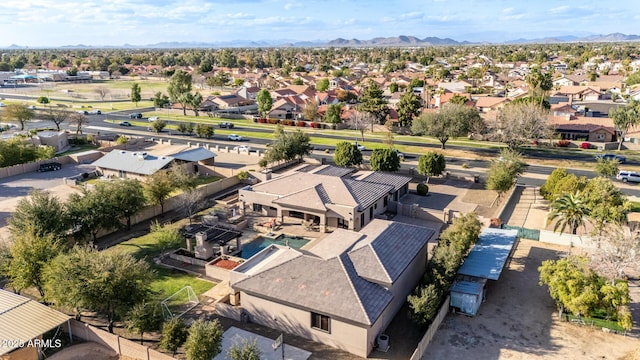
360	147
1	104
153	118
234	137
400	155
242	148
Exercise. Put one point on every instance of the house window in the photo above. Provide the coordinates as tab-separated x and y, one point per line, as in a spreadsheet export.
321	322
362	220
296	214
370	213
385	201
600	137
257	207
343	224
122	174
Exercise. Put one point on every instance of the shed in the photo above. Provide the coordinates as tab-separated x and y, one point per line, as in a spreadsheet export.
466	296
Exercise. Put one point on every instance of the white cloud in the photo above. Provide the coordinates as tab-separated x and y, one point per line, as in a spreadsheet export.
289	6
559	9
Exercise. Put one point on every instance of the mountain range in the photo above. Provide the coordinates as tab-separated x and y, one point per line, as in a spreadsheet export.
395	41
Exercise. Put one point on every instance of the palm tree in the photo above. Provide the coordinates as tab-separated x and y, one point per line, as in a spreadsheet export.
569	210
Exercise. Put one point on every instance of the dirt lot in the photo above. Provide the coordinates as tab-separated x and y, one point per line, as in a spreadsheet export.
518	321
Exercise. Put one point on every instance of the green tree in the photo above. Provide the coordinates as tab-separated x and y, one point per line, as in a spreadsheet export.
347	154
451	121
107	282
425	303
504	171
144	317
160	100
624	118
220	79
372	101
288	146
40	214
539	84
204	340
333	114
408	107
311	111
568	210
605	202
125	196
204	130
607	167
547	190
135	93
179	86
393	87
571	283
43	100
18	113
265	102
29	253
431	164
384	160
322	85
158	125
247	350
633	79
122	139
174	334
458	99
158	187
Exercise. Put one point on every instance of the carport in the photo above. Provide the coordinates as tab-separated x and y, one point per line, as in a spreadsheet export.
484	262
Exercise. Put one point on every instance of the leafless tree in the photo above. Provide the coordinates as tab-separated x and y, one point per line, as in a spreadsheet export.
190	201
359	120
58	116
522	123
79	120
102	92
618	249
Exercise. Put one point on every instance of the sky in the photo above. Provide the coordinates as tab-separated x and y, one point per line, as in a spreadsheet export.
52	23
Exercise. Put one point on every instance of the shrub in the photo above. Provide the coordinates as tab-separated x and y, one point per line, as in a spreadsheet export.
315	125
243	175
326	151
301	123
465	165
274	121
563	143
262	120
422	189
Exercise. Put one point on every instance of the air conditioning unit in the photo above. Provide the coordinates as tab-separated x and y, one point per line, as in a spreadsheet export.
383	342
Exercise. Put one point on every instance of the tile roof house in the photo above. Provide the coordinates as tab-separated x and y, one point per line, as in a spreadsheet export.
328	198
583	128
343	292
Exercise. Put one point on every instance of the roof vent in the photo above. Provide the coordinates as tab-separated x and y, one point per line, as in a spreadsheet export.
122	152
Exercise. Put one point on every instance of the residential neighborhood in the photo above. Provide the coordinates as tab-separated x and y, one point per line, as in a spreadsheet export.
320	202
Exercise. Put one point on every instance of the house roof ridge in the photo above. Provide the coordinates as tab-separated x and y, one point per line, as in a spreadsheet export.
351	284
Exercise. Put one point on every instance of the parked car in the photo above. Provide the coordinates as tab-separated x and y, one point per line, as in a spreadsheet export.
226	124
95	112
621	159
83	112
400	155
50	167
1	104
360	147
628	176
242	148
135	116
125	123
153	118
234	137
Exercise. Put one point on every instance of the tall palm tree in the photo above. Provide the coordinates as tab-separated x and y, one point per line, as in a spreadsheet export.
569	210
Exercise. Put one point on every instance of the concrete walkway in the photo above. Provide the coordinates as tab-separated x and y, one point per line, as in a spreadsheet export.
527	209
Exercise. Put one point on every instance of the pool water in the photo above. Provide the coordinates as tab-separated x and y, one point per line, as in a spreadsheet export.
255	246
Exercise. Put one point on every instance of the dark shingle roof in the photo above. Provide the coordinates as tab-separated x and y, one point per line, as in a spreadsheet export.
390	248
329	287
397	181
366	193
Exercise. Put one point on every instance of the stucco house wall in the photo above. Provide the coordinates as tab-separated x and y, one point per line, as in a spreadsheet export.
343	335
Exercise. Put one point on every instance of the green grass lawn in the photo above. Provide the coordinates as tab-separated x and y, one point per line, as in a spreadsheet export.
78	149
635	206
166	281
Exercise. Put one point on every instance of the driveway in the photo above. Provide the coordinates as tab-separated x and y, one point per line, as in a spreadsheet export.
14	188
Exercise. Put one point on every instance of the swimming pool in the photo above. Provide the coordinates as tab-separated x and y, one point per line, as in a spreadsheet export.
254	247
